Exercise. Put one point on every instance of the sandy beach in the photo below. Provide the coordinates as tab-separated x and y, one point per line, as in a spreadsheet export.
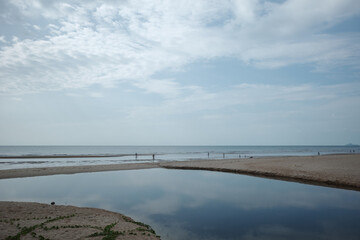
35	220
341	171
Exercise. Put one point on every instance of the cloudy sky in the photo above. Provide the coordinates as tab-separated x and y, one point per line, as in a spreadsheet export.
246	72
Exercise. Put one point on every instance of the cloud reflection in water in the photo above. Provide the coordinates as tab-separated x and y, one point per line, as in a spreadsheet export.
203	205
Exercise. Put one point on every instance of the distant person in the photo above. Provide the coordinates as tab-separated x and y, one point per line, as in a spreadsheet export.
153	157
208	155
136	156
318	153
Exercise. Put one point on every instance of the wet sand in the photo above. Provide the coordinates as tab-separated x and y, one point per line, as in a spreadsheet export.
45	221
341	171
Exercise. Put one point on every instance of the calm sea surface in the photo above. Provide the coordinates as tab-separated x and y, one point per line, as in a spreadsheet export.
189	204
46	156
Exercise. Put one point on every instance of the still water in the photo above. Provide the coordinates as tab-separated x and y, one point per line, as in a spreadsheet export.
182	204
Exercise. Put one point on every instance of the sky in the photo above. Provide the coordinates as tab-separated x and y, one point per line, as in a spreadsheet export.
204	72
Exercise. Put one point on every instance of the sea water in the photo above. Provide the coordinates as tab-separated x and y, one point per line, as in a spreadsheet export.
188	204
12	157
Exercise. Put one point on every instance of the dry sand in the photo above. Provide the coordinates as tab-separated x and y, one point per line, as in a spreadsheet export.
342	171
66	222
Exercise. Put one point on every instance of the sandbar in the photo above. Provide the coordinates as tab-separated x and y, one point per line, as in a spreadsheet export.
46	171
338	170
44	221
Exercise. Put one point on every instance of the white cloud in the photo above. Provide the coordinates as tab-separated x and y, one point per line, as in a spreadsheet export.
36	27
267	97
2	39
108	43
318	50
95	94
246	11
15	39
106	13
17	99
166	88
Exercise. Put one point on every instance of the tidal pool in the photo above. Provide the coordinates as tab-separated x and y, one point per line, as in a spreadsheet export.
181	204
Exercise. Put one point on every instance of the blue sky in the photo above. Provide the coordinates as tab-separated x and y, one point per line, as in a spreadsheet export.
250	72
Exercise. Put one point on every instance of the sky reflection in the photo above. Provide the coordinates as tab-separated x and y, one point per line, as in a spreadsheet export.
203	205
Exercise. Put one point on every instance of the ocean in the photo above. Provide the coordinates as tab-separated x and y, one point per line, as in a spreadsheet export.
12	157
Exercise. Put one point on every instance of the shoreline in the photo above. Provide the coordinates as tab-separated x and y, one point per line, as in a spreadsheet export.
337	170
74	156
65	156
